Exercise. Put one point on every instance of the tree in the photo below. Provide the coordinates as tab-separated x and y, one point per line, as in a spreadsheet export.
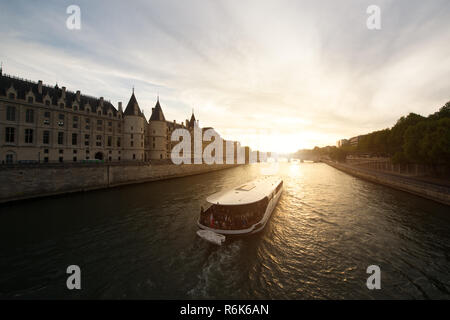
395	139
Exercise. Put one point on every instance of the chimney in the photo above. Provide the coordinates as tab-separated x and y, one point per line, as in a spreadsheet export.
63	95
120	106
101	101
40	86
78	95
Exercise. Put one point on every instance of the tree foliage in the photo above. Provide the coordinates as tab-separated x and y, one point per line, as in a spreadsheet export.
413	139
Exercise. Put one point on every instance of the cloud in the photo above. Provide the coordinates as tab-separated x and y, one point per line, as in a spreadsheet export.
304	72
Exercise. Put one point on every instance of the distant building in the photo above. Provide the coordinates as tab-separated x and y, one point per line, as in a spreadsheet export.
354	141
341	143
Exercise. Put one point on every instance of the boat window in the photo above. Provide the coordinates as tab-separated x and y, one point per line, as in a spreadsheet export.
234	217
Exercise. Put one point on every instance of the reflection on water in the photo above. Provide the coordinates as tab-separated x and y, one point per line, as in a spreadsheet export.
139	242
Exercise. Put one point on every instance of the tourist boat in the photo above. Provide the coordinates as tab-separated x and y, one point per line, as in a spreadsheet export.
242	210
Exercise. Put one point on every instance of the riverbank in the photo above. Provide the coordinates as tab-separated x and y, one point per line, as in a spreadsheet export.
423	189
25	182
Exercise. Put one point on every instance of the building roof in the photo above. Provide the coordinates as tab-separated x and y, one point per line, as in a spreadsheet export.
132	108
23	86
157	113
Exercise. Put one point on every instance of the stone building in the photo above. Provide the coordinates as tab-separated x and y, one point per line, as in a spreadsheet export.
40	123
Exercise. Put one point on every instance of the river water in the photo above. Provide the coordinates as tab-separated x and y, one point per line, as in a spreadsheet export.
140	241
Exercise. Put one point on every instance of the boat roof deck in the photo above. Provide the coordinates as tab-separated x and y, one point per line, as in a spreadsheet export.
247	193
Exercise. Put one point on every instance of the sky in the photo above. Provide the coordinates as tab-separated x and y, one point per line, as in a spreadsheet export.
274	75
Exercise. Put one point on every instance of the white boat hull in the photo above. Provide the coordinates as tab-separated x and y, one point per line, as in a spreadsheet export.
211	236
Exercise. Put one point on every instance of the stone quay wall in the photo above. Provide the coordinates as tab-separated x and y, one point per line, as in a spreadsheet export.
430	191
31	181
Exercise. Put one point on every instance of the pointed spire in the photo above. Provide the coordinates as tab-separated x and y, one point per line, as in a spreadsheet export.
157	113
132	108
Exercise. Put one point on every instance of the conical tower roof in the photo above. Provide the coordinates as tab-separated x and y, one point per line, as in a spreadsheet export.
132	108
157	113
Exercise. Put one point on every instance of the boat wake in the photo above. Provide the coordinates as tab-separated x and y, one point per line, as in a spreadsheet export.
219	272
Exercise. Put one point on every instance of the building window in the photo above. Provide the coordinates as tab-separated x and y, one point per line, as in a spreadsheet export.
61	120
118	142
132	143
46	138
47	114
61	159
60	137
74	159
47	102
109	141
46	159
28	135
9	134
11	113
75	122
45	150
99	125
29	115
86	139
99	141
61	105
30	99
134	156
9	158
61	151
74	139
11	95
46	122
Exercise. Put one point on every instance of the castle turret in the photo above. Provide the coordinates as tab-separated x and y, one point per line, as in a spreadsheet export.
134	125
158	134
